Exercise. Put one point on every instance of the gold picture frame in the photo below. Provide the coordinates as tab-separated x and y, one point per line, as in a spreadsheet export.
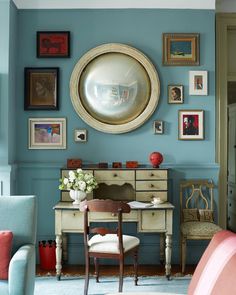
181	49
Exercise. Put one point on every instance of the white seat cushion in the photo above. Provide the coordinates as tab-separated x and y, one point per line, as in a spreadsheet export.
109	243
198	228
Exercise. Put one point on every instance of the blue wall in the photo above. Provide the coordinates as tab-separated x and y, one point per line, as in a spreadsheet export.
38	170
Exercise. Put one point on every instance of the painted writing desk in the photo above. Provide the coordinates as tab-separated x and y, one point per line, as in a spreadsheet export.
158	219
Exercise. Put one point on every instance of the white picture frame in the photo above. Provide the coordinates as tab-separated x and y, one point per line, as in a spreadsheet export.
80	135
198	83
158	127
47	133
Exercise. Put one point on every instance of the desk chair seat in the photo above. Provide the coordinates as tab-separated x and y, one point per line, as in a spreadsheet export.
110	243
106	242
197	228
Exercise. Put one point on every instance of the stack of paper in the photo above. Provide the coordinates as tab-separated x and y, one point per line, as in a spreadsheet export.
136	204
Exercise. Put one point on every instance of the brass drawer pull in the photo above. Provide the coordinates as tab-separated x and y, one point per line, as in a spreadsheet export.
153	213
115	175
74	214
229	204
152	185
113	214
151	174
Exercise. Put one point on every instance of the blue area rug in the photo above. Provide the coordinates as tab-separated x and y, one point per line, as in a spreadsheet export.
75	285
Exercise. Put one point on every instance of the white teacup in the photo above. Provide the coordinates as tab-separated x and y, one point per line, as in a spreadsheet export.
157	201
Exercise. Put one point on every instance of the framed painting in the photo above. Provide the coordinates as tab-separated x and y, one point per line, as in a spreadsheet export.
41	88
53	44
191	124
175	94
158	127
180	49
80	135
198	83
47	133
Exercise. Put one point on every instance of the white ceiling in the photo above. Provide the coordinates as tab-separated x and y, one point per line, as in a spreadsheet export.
98	4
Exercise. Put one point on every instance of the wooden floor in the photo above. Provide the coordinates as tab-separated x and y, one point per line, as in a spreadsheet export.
112	270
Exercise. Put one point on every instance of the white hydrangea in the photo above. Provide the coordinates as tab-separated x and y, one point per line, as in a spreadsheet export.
82	185
66	180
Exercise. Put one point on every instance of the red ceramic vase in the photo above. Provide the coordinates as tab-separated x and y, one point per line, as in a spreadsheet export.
156	159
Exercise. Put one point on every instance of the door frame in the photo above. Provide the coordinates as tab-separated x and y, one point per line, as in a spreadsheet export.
224	21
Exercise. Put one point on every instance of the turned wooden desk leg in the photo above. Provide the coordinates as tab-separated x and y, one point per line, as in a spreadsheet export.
162	248
64	247
58	256
168	255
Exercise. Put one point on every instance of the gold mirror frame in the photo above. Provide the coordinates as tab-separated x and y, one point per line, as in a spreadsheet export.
141	59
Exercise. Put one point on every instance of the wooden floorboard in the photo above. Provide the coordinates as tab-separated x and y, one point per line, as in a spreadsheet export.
113	270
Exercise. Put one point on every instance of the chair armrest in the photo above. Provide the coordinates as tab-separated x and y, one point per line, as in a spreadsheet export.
21	276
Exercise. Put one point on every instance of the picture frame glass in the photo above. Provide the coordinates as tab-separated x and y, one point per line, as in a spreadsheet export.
191	125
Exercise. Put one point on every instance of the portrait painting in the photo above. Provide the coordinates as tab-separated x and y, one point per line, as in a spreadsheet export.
191	124
158	127
180	49
175	94
41	88
53	44
198	82
47	133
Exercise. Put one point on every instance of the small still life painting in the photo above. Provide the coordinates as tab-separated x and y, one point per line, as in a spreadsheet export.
181	49
47	133
191	124
175	94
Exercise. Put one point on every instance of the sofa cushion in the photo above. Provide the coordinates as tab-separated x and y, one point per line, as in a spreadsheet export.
206	215
5	253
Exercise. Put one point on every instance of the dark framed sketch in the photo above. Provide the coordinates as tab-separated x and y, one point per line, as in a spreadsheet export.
158	127
191	124
180	49
41	88
47	133
175	93
53	44
80	135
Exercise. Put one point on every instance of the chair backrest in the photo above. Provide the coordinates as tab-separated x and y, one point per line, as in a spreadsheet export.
19	214
197	194
215	272
116	208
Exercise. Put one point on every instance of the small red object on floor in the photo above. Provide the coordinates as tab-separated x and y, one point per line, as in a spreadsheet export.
47	255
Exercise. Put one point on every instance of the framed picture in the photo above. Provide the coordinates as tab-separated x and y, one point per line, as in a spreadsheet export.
191	124
180	49
53	44
175	93
47	133
158	127
80	135
198	83
41	88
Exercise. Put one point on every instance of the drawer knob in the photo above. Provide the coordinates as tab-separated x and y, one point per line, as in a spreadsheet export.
229	204
74	214
231	191
151	185
151	174
113	214
115	175
153	213
229	218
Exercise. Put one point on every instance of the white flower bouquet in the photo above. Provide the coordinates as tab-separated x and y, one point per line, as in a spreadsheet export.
78	180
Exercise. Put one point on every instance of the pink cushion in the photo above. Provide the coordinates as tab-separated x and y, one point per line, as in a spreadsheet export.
215	273
5	253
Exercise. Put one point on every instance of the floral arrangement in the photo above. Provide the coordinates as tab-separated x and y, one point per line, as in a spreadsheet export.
78	180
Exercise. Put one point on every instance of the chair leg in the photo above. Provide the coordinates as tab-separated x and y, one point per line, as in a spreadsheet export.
87	266
96	264
183	251
121	274
136	267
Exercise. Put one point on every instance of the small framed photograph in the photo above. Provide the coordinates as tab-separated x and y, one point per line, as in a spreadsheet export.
53	44
41	88
180	49
175	94
47	133
198	83
158	127
80	135
191	124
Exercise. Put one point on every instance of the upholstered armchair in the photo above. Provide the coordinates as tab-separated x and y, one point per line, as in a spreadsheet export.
19	215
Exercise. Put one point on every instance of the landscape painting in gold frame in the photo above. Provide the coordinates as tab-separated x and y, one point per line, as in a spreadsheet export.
180	49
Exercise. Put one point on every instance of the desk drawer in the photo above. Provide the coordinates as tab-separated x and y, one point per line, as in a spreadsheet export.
149	195
155	185
151	174
72	220
103	175
152	220
104	216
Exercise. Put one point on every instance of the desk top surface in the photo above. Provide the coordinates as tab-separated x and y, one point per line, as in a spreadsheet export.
70	206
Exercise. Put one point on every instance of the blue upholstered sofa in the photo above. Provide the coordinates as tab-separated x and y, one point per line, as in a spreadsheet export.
19	214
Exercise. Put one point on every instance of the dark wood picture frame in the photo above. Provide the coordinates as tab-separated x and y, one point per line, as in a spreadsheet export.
53	44
180	49
41	89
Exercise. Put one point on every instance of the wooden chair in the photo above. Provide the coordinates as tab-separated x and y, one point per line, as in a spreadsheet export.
108	243
196	213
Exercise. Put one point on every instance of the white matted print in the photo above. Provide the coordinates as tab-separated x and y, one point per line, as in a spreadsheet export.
47	133
191	124
198	83
158	127
80	135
